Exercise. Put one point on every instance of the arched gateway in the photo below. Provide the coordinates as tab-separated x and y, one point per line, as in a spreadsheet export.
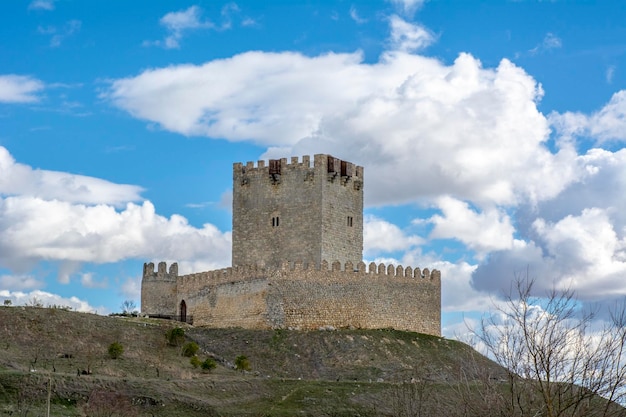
183	311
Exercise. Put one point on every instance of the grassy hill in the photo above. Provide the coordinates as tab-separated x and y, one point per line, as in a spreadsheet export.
62	355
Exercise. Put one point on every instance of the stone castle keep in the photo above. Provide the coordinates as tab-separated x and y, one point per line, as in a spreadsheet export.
297	260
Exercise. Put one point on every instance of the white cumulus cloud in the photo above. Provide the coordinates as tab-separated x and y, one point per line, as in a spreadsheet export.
590	253
407	36
421	128
33	229
20	282
71	219
483	232
19	88
177	22
610	122
21	179
380	236
575	240
607	124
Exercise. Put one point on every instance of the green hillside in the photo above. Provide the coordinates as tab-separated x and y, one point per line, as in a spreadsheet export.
62	355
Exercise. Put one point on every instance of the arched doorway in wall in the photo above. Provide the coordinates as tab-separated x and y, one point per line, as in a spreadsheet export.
183	311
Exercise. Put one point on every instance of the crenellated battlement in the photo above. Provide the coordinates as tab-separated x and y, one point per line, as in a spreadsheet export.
326	165
362	268
297	271
161	272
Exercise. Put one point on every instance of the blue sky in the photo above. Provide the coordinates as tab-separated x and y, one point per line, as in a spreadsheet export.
492	135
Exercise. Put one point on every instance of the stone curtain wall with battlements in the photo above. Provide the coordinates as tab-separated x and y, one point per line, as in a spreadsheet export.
293	211
306	297
284	213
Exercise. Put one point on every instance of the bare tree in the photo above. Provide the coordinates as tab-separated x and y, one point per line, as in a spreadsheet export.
559	364
410	399
34	302
129	308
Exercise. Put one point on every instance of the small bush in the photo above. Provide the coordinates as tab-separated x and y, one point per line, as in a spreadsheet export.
242	363
208	365
195	361
115	350
176	336
190	349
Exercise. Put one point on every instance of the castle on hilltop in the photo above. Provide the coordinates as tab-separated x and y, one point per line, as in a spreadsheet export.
297	260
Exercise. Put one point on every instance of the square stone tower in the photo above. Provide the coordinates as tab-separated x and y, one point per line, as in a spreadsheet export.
297	212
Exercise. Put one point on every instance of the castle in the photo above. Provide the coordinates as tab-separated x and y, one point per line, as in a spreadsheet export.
297	260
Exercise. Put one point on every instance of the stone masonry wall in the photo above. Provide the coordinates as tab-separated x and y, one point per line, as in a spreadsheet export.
296	296
385	298
342	198
159	289
295	211
272	214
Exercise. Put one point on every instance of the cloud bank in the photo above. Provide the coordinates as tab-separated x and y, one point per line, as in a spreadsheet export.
517	188
57	216
422	128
